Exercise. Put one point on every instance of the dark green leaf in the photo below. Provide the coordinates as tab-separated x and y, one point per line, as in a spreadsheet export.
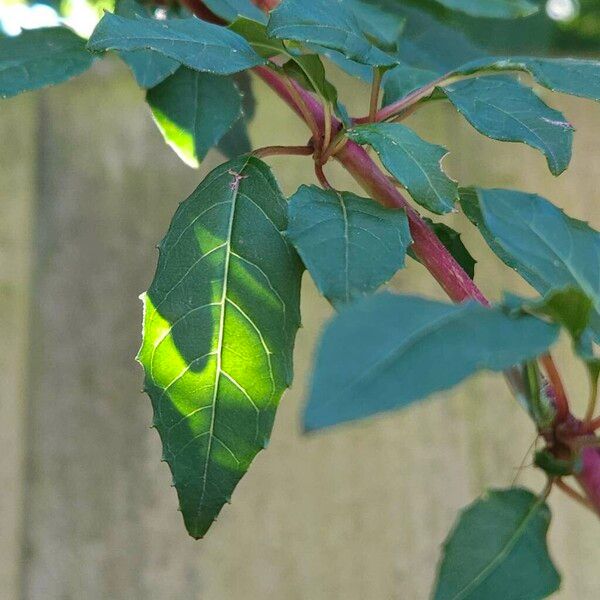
388	351
415	163
236	141
402	80
194	110
495	9
308	70
350	245
546	247
40	57
498	551
452	242
219	324
327	23
229	10
148	67
556	467
501	108
377	21
195	43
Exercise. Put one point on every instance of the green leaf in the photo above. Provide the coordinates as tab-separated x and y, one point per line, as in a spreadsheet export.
546	247
193	111
308	70
195	43
327	23
501	108
498	551
40	57
452	242
229	10
415	163
574	76
149	68
255	34
220	320
402	80
494	9
377	21
350	245
387	351
236	141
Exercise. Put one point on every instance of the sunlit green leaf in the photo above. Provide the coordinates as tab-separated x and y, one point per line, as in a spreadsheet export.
503	109
497	550
148	67
386	351
255	34
415	163
327	23
194	110
219	324
546	247
497	9
195	43
350	245
40	57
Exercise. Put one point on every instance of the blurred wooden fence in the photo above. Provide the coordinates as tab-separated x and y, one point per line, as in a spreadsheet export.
86	511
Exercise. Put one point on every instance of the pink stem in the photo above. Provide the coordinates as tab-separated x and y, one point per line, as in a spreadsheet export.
589	478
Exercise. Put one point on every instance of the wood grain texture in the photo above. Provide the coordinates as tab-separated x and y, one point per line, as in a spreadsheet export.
357	512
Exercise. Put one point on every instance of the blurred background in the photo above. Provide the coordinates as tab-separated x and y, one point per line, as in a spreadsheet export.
86	509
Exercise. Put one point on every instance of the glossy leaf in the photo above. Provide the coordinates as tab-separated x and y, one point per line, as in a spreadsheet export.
350	245
415	163
194	111
327	23
236	141
402	80
40	57
495	9
220	320
388	351
195	43
497	550
501	108
308	70
229	10
149	67
546	247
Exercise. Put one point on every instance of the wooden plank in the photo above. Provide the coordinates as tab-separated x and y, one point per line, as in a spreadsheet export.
18	155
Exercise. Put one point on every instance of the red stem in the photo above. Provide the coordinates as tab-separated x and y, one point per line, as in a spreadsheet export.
589	477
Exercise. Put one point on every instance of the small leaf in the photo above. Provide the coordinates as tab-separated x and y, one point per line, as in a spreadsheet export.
546	247
229	10
385	352
195	43
149	68
193	111
327	23
494	9
501	108
350	245
40	57
452	242
498	550
308	70
415	163
220	320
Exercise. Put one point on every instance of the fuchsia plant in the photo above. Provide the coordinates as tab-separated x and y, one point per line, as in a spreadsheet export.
221	315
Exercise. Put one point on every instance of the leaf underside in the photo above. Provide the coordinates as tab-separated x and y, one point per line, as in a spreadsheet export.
220	320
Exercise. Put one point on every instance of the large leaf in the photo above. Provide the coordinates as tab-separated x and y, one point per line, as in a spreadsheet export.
387	351
231	9
219	324
403	79
237	141
327	23
195	43
350	245
40	57
194	111
501	108
546	247
149	67
415	163
498	551
498	9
